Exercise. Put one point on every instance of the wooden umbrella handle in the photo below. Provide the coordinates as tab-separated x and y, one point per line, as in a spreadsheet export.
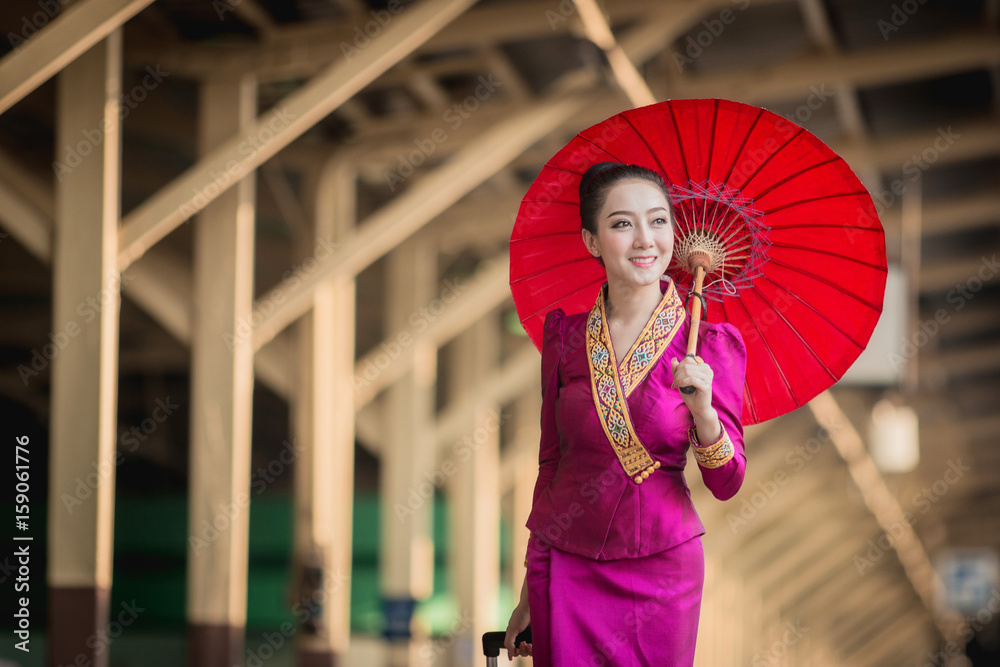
699	278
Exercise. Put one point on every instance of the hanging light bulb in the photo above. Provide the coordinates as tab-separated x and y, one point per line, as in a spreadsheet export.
893	437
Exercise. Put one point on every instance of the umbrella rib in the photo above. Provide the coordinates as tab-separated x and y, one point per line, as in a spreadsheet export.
602	148
680	144
848	258
746	138
573	293
812	199
799	336
544	236
808	305
564	169
876	308
806	225
770	352
770	157
555	201
711	143
746	383
656	158
548	269
761	195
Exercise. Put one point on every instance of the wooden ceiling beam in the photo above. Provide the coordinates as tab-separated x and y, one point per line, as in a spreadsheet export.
865	68
884	506
939	369
970	272
68	35
302	50
272	131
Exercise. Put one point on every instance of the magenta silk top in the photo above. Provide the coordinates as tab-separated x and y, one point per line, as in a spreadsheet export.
583	501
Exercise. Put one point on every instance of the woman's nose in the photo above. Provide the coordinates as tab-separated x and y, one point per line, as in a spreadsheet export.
642	235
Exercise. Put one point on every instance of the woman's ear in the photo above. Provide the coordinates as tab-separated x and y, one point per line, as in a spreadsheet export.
590	241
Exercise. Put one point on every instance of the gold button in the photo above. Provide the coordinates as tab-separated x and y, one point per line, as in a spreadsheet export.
638	479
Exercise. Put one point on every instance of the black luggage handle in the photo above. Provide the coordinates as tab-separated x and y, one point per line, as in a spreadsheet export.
493	641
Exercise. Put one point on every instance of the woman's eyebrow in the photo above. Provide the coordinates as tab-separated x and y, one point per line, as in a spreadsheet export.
614	213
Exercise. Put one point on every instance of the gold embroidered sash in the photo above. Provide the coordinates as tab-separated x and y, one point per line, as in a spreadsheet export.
611	384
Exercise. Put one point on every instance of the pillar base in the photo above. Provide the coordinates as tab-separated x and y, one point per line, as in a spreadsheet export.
316	659
75	615
214	645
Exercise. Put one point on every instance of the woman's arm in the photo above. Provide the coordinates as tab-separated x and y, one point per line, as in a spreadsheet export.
717	436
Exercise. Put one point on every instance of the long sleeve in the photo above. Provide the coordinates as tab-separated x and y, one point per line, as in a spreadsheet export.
548	450
723	348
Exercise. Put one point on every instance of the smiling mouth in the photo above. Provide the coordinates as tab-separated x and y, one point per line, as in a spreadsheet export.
642	261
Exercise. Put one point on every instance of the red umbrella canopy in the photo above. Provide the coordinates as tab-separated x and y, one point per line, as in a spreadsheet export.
799	262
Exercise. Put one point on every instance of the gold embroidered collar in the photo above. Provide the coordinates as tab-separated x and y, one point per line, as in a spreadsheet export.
611	383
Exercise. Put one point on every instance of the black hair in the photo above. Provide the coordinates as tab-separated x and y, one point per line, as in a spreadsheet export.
596	182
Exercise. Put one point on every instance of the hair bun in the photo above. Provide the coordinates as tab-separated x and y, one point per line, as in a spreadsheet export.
593	172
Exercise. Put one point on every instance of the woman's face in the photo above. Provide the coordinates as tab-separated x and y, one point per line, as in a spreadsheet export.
635	235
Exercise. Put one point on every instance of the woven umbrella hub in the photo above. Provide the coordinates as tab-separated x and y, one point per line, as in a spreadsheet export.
720	229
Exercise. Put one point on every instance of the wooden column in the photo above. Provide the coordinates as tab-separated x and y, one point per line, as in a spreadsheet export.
323	421
221	393
474	495
86	305
527	417
407	495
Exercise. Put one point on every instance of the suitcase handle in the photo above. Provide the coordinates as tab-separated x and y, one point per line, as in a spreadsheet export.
493	641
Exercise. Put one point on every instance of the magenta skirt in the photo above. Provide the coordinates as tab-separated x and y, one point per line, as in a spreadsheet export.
629	612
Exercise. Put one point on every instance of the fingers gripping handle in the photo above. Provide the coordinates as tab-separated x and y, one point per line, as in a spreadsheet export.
493	641
699	279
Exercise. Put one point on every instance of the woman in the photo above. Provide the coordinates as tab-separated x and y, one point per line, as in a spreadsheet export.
615	565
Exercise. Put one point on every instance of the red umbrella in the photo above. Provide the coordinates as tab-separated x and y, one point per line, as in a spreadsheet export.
798	252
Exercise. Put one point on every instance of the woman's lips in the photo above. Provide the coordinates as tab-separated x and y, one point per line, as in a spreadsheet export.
642	261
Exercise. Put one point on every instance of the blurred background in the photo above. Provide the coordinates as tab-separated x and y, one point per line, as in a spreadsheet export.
274	402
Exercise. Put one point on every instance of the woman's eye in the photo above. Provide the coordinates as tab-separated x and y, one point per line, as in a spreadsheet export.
661	220
619	224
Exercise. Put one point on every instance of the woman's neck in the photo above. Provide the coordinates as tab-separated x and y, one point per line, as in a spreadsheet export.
628	303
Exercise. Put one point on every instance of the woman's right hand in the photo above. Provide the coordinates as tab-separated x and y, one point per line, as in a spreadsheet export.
519	620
